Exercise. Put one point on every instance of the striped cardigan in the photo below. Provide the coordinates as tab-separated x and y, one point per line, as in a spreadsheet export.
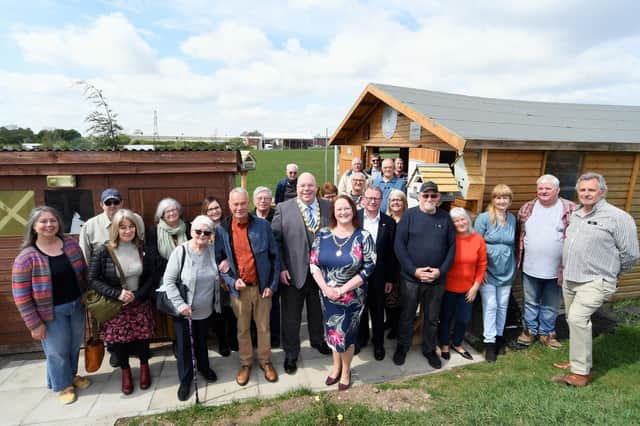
31	282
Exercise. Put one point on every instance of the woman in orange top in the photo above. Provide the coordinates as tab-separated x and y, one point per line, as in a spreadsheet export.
463	281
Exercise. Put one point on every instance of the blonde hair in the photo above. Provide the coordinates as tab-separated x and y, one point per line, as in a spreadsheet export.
400	194
500	190
120	216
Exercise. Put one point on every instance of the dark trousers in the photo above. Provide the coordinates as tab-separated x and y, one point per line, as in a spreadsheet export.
225	326
375	309
183	347
293	300
274	319
454	307
413	293
123	351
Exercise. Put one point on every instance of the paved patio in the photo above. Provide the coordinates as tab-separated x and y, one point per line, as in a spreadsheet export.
26	401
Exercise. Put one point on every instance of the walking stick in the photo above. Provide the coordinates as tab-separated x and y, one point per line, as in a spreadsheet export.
193	360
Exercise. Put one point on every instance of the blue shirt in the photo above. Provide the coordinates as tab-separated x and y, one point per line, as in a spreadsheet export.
387	187
500	241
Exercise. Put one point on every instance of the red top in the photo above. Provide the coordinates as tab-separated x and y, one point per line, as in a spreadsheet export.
469	265
243	253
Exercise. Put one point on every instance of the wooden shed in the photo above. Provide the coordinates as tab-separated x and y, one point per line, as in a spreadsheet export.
489	141
72	181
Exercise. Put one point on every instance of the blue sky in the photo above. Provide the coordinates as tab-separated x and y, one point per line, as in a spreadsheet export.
295	67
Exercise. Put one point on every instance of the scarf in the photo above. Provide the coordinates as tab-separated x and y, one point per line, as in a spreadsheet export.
165	234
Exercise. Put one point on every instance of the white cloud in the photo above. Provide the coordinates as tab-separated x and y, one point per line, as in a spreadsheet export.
109	44
231	43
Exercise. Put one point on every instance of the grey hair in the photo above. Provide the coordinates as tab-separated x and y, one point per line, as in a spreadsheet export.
354	174
118	217
162	206
549	179
30	234
458	212
239	190
292	165
262	189
202	220
593	175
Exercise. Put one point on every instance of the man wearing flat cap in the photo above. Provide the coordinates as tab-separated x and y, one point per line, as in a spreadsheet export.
425	246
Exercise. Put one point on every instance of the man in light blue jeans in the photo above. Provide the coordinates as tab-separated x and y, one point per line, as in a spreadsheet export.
543	224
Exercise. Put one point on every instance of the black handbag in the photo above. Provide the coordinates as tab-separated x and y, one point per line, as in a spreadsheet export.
163	303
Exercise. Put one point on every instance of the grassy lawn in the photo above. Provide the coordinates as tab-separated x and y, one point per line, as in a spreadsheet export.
270	166
515	390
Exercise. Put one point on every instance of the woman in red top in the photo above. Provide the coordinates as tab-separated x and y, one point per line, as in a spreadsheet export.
463	281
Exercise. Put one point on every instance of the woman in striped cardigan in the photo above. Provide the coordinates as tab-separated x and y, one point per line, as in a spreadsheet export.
47	279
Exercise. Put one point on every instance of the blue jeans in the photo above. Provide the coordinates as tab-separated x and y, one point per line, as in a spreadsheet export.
454	306
495	301
62	345
541	304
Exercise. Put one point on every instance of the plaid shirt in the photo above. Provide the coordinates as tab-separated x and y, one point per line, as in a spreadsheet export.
525	213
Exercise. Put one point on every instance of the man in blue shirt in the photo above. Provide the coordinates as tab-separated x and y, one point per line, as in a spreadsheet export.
388	182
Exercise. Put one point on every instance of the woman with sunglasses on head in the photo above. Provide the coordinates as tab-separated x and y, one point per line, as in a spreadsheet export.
498	228
225	323
47	279
194	265
119	261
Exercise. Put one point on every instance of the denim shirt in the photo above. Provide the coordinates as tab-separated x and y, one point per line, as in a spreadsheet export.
500	240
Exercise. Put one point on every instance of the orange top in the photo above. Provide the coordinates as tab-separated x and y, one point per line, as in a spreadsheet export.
242	251
469	265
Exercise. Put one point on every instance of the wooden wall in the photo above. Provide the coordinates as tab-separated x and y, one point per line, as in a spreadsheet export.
143	178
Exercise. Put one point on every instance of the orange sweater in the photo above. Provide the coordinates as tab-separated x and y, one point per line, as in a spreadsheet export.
469	265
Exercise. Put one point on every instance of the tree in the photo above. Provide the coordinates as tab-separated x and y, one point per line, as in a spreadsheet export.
251	133
103	124
15	136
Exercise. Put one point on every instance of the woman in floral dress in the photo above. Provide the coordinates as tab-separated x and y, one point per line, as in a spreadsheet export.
342	258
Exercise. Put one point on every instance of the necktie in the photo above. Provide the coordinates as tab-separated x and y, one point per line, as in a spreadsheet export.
311	218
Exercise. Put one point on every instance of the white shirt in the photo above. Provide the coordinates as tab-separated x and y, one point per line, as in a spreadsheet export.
543	241
371	225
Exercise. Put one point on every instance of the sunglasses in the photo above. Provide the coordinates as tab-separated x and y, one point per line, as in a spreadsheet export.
110	203
427	196
200	232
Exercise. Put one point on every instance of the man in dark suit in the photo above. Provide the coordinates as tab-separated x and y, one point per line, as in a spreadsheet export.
294	225
383	230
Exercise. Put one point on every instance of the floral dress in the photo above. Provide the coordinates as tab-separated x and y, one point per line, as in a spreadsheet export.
340	259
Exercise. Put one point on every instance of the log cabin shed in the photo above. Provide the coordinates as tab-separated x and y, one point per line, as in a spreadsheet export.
488	141
72	181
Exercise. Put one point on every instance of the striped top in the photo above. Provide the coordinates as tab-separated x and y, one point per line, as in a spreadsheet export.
31	282
600	244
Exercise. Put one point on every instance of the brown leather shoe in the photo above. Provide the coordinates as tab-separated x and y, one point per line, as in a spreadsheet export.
270	373
551	341
562	365
243	375
577	380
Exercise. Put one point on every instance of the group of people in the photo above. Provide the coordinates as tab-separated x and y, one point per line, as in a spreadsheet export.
360	257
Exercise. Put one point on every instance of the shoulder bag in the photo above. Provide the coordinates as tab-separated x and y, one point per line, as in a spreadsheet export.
104	308
163	303
93	349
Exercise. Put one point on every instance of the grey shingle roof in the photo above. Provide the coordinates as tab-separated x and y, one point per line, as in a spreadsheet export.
477	118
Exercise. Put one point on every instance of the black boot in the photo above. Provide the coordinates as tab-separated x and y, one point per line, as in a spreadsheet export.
490	352
500	345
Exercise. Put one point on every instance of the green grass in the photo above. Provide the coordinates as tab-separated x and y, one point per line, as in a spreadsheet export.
515	390
270	167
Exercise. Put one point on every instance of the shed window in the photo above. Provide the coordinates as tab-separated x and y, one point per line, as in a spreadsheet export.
566	167
75	206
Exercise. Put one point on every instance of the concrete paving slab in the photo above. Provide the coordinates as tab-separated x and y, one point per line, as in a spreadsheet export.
9	369
51	408
112	401
31	374
17	405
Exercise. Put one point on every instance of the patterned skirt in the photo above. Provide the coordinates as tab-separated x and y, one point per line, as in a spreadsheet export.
133	322
342	318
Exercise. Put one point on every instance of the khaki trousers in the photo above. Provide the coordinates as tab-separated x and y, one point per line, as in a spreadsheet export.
581	300
249	305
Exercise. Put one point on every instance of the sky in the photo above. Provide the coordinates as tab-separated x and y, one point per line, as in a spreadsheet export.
296	67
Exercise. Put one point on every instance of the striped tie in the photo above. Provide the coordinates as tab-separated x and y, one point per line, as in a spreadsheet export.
311	218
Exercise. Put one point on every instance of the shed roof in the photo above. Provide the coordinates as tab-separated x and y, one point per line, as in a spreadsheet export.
462	118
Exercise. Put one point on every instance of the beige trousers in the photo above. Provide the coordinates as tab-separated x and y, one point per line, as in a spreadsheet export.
249	305
581	300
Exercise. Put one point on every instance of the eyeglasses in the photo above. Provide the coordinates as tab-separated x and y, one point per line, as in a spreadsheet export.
372	199
395	200
357	180
213	209
263	199
173	210
110	203
200	232
126	227
427	196
375	161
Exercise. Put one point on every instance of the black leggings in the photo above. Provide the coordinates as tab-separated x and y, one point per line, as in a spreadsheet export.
123	351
